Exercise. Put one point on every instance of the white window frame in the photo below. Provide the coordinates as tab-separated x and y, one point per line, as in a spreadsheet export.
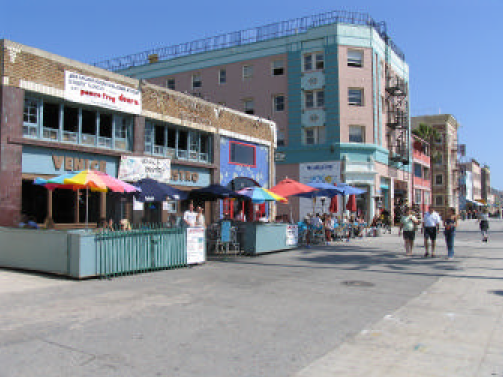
355	62
314	99
426	200
418	194
275	104
279	65
362	133
318	135
197	81
247	72
351	101
316	61
249	106
222	76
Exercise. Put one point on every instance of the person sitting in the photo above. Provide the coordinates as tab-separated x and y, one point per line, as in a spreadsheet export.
125	225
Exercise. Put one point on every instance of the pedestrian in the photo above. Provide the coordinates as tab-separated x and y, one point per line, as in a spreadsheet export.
484	224
200	220
408	225
431	226
450	225
189	216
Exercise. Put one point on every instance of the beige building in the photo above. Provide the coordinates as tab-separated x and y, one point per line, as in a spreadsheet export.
444	165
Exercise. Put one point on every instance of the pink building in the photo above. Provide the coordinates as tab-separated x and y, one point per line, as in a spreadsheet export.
422	173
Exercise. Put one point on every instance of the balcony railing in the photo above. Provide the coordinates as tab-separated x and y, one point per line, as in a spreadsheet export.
248	36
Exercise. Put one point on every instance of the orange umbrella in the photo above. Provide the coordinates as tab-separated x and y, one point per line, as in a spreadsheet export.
289	187
351	205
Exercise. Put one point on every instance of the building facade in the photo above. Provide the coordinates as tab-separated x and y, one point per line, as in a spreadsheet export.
444	164
335	84
59	115
422	174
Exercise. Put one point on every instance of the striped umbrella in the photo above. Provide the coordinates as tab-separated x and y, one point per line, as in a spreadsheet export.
261	195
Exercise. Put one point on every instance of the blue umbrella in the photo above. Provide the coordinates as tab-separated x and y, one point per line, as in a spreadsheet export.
154	191
350	190
214	191
323	189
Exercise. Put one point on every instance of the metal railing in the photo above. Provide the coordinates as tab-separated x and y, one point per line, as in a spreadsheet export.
140	250
248	36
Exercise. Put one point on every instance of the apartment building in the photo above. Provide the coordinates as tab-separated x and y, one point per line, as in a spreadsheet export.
335	84
444	156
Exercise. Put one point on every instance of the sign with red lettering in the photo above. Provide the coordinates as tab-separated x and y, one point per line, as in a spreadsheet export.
93	91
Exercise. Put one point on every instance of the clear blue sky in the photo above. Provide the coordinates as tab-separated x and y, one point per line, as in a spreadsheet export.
453	48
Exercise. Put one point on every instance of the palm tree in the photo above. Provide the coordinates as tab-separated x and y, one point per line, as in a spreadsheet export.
430	135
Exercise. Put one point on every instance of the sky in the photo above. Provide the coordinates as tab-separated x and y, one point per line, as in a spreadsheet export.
452	47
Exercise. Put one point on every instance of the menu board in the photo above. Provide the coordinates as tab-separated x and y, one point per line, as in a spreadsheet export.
196	243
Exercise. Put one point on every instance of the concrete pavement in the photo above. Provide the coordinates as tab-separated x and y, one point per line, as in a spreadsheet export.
354	309
454	328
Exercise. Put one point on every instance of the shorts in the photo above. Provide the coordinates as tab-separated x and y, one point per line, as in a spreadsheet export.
430	232
409	235
484	225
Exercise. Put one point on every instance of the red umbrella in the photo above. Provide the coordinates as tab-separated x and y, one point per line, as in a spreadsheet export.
334	204
289	187
351	205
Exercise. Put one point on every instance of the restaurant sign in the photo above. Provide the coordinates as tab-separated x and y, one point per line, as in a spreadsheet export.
133	169
97	92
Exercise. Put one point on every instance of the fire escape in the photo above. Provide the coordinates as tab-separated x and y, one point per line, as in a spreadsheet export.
397	104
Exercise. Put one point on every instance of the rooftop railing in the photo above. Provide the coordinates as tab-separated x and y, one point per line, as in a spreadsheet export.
248	36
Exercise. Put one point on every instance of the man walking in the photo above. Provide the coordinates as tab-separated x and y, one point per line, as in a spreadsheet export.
431	226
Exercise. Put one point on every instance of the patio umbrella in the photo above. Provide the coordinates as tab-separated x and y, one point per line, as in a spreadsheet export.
351	205
213	192
155	191
261	195
334	205
290	187
86	179
322	189
350	190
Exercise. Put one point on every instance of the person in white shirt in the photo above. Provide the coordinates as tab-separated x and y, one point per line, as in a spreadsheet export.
431	225
241	216
189	216
200	221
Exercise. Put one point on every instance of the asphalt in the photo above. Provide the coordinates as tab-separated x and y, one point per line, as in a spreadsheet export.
351	309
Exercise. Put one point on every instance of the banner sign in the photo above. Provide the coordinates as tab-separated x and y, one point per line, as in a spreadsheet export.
292	235
133	169
195	245
97	92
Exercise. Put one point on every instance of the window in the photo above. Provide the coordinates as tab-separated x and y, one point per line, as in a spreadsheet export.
30	117
249	106
356	134
71	121
313	135
314	61
281	139
278	68
122	132
418	171
50	121
426	198
439	179
417	196
279	102
355	97
426	173
170	83
242	154
355	58
247	72
222	76
105	134
438	159
314	99
439	200
196	81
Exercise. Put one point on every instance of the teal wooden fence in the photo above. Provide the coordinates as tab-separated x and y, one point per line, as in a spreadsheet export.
140	250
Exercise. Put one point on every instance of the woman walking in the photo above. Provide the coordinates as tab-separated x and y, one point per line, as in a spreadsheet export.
450	225
484	224
408	224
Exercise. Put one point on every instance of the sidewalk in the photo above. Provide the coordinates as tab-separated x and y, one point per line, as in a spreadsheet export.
453	329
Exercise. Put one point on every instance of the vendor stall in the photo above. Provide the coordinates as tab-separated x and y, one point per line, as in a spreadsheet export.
258	238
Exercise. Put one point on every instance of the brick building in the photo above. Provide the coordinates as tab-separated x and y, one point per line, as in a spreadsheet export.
61	115
422	173
335	84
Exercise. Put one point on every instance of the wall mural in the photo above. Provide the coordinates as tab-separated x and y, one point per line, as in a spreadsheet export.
228	171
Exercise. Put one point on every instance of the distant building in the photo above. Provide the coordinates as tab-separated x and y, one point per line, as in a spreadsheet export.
422	173
335	84
444	166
